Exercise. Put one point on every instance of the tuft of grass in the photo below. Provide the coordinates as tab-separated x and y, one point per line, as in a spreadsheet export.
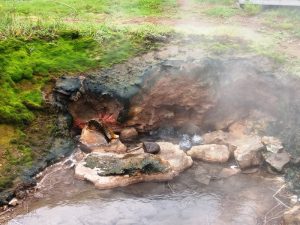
221	11
219	2
283	19
252	9
270	52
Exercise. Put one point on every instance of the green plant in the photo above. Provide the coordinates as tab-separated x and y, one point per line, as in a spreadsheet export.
252	9
219	2
221	11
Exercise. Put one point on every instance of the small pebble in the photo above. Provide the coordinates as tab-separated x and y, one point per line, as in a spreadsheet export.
13	202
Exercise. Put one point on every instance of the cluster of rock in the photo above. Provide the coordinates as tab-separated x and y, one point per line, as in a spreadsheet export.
109	164
247	150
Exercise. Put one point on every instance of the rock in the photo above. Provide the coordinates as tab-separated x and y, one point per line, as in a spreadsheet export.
295	161
170	161
130	164
13	202
177	159
272	144
228	172
151	147
185	143
197	140
91	139
294	199
221	138
94	141
292	216
278	160
210	153
250	170
128	134
248	152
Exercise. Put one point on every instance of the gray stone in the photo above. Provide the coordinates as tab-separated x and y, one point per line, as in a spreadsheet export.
278	160
248	152
151	147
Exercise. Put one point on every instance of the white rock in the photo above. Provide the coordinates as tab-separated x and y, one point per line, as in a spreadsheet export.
210	153
169	152
13	202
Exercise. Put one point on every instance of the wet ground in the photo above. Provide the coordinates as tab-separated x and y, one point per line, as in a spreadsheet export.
241	199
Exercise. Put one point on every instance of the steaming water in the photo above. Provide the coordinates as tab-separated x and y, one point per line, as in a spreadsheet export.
241	199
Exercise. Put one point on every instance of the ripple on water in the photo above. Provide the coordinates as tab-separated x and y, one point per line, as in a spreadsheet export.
234	201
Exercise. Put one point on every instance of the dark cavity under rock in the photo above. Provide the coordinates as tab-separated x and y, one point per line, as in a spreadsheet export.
129	165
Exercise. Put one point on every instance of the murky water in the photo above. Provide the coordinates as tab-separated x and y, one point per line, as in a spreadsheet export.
241	199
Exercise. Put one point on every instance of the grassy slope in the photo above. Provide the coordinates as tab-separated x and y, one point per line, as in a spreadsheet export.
37	43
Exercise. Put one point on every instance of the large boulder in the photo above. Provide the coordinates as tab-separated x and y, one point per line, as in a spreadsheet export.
248	152
292	216
109	170
210	153
94	141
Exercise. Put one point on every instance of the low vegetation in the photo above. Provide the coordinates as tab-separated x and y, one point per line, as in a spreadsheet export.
38	43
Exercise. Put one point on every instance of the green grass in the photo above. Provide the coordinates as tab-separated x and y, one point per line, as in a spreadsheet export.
42	50
219	2
88	8
252	9
221	11
283	19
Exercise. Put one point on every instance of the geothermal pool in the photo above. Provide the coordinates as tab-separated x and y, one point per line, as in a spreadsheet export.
240	199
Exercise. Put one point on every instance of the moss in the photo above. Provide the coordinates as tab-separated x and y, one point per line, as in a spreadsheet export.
130	165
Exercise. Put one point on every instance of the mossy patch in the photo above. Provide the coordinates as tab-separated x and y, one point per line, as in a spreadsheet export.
131	164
